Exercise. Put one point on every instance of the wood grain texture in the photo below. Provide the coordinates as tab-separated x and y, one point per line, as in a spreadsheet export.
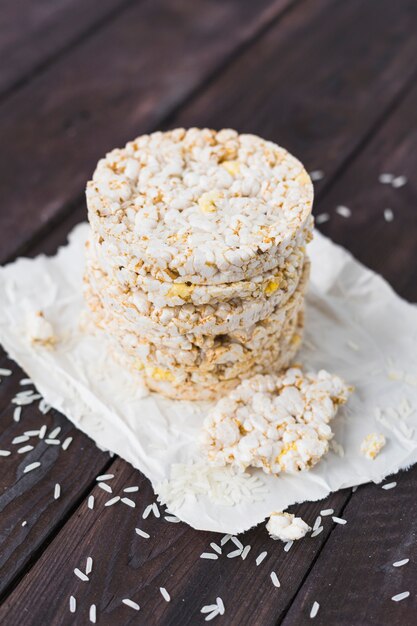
129	566
30	496
389	248
339	90
354	579
31	33
322	97
118	83
381	525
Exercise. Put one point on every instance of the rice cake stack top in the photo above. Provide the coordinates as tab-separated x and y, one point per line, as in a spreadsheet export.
199	206
198	239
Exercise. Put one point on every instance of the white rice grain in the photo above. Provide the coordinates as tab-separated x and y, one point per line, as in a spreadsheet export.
165	594
89	565
93	613
5	372
317	532
112	501
215	547
389	486
339	520
42	432
129	502
326	512
104	477
54	433
288	546
322	218
275	580
344	211
20	439
399	181
105	487
57	491
245	552
31	467
209	555
234	554
314	609
67	443
90	502
5	453
386	179
72	604
131	489
220	604
388	215
400	596
17	413
316	175
81	575
172	518
53	442
131	604
142	533
401	563
261	557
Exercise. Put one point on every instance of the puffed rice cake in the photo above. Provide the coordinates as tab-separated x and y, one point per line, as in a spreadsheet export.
196	265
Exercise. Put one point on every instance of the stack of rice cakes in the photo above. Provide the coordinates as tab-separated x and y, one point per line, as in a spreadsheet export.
196	266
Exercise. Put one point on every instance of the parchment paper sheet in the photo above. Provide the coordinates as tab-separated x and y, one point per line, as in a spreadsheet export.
356	327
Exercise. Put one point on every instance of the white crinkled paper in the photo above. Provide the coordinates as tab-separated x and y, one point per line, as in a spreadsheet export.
356	327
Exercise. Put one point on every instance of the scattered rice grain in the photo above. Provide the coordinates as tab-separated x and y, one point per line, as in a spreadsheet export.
31	467
339	520
314	609
344	211
142	533
72	604
112	501
129	502
57	491
81	575
400	596
400	563
165	594
389	485
275	580
261	557
67	443
131	604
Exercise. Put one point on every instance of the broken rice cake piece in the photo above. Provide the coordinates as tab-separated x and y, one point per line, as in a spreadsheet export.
286	527
372	445
278	423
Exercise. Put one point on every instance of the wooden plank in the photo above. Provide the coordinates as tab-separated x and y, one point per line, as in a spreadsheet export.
354	578
322	97
31	33
387	247
126	565
30	496
118	83
381	525
305	565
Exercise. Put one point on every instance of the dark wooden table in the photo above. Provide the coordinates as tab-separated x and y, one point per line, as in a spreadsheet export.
334	82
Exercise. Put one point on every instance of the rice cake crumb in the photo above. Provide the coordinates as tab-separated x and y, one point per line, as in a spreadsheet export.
40	330
278	423
286	527
372	445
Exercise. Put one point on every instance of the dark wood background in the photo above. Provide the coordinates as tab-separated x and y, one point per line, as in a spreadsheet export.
334	81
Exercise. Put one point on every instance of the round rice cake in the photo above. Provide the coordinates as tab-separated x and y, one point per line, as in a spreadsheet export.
188	319
202	351
161	293
183	385
198	205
